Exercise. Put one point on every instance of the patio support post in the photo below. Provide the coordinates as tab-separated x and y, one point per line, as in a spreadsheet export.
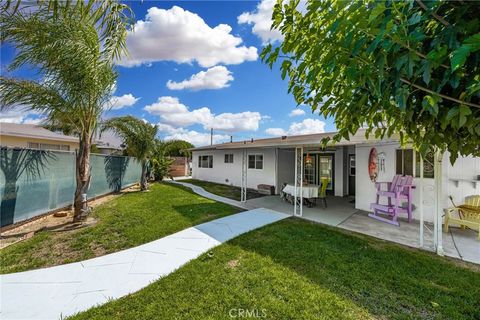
243	192
421	201
298	198
439	207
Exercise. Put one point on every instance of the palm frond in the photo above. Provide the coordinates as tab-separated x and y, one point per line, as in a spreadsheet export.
137	135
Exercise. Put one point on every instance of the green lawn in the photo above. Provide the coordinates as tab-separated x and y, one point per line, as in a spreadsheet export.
223	190
127	221
295	269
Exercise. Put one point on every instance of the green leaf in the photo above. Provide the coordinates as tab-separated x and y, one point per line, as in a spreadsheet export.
459	56
378	9
427	71
415	18
452	113
473	42
401	98
430	104
465	110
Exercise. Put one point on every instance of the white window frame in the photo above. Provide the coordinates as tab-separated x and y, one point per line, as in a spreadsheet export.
209	161
256	155
228	158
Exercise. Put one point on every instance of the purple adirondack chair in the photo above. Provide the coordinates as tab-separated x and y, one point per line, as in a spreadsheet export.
398	192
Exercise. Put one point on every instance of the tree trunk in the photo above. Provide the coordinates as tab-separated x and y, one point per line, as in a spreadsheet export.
9	200
83	179
143	178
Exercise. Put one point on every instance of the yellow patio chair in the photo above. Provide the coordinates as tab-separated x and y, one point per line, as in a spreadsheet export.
322	191
465	215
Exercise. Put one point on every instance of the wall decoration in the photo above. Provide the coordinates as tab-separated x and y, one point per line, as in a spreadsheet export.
381	162
373	165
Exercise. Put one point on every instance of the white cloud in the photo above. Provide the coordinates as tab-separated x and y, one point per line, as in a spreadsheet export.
172	112
243	121
297	112
184	37
12	116
307	126
261	19
20	115
126	100
33	120
217	77
166	105
198	139
163	127
276	132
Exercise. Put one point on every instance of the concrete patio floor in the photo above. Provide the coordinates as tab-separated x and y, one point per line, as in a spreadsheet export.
341	213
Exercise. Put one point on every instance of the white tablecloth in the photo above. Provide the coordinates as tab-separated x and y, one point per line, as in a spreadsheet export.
310	191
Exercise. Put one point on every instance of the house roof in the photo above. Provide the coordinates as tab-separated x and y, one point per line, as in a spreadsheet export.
32	131
308	140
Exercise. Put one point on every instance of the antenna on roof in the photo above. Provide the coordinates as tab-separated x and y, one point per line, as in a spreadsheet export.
231	139
211	136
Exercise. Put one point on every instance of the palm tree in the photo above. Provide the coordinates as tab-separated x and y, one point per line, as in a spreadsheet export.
73	46
139	138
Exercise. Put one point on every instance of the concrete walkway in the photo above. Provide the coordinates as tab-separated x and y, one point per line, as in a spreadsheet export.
209	195
57	292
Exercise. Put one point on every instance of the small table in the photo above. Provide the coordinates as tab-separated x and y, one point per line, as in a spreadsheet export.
308	192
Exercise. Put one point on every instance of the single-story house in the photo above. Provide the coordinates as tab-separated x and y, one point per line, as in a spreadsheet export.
275	161
31	136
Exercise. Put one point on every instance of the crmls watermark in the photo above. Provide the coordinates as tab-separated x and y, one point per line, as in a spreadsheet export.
247	313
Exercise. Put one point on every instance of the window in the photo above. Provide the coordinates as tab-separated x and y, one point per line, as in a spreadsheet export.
205	161
428	163
48	146
408	163
405	162
351	160
255	161
229	158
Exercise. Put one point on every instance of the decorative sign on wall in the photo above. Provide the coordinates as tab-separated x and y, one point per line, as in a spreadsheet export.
373	165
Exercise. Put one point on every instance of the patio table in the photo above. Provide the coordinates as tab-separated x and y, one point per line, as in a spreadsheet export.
309	191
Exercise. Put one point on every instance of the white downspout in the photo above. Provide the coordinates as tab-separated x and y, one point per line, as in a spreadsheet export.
421	201
243	192
439	209
298	189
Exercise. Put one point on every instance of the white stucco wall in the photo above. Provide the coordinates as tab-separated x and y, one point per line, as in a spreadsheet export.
231	173
466	168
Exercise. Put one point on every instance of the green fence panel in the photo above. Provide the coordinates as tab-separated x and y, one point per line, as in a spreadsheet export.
112	173
33	182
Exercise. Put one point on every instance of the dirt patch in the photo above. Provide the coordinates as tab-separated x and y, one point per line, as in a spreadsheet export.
232	264
60	221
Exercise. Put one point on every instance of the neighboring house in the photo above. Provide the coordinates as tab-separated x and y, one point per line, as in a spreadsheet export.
106	148
109	143
272	162
35	137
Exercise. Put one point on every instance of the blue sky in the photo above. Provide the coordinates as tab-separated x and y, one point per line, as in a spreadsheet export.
208	54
